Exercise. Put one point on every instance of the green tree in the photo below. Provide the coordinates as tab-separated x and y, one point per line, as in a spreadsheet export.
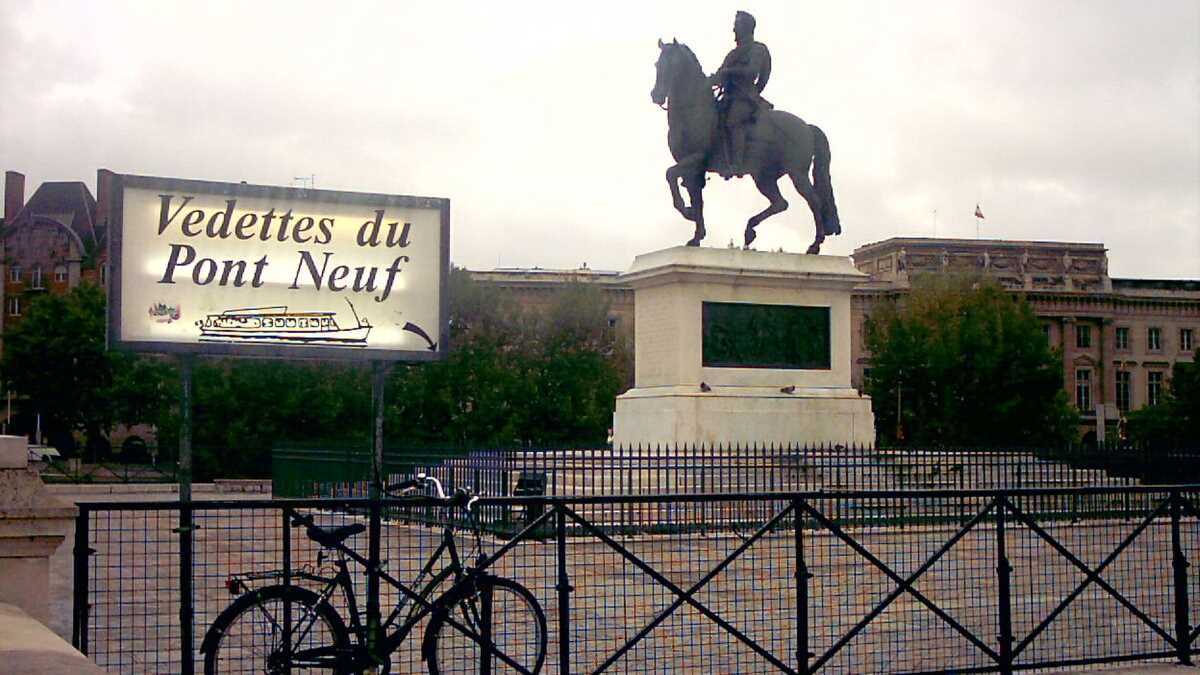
55	357
1175	421
576	370
960	361
143	389
242	409
512	377
543	376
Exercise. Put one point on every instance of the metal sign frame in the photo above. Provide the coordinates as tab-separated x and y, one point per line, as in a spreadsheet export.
115	237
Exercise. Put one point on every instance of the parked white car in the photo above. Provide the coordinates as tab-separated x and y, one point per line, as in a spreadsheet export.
42	453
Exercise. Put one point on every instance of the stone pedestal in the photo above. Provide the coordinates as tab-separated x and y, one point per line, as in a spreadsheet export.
32	525
680	399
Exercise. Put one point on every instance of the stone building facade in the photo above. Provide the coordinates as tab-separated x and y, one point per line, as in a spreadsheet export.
1119	338
534	288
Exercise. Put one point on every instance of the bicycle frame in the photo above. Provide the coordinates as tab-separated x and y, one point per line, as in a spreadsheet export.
425	604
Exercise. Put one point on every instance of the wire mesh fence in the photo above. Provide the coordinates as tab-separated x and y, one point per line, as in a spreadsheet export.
880	581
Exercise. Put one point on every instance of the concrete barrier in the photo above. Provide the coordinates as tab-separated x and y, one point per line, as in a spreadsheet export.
33	523
28	646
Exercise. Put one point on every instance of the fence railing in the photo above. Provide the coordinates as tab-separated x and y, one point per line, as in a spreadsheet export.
344	472
801	582
76	471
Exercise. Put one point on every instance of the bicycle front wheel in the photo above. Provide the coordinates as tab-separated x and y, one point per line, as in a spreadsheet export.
253	635
497	617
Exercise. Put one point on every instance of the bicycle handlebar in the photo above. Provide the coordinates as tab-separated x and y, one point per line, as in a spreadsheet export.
461	497
420	481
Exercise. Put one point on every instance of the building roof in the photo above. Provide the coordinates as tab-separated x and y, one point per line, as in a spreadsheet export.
940	243
587	271
66	202
538	276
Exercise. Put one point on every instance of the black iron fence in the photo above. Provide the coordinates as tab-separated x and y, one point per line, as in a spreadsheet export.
803	582
80	472
341	472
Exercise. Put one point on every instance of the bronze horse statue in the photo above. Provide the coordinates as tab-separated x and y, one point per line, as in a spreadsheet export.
779	143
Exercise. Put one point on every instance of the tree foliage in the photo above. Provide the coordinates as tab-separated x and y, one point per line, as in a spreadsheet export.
55	357
242	409
1175	421
961	361
513	376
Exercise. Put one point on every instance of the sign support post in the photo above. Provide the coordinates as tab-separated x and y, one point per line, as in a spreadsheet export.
378	379
184	465
184	475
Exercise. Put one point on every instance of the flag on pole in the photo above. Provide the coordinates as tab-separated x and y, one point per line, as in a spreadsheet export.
978	212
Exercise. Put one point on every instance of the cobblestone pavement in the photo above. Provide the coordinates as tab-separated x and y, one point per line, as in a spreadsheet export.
134	626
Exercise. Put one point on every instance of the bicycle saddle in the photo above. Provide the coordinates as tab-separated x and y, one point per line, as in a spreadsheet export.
331	538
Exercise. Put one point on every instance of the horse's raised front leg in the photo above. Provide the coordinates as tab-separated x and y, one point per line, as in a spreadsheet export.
769	189
696	194
686	166
676	197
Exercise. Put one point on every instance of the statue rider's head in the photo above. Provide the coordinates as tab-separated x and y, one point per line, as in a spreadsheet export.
743	27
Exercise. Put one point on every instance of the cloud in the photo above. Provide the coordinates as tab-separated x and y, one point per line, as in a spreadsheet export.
1067	120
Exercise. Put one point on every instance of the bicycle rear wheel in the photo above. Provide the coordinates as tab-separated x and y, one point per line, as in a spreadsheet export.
250	636
502	617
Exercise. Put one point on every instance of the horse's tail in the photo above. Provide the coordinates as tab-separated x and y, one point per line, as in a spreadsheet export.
823	183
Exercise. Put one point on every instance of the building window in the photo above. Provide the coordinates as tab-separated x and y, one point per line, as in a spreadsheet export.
1154	339
612	322
1185	339
1122	338
1083	336
1046	332
1083	389
1124	388
104	274
866	379
35	279
14	273
60	274
14	305
1154	385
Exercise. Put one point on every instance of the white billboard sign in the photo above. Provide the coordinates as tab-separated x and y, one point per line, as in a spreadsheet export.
236	269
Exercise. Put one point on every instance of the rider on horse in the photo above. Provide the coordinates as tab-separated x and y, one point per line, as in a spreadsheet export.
741	77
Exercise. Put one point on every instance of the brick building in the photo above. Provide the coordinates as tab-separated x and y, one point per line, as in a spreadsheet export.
1119	338
50	243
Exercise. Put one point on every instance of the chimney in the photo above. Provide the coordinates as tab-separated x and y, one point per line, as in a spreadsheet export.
14	194
104	181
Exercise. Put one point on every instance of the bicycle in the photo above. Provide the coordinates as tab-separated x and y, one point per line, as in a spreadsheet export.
481	623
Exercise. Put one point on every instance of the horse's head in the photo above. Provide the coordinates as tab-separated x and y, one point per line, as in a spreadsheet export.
674	59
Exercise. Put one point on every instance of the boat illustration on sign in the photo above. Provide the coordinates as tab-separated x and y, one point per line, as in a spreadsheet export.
276	325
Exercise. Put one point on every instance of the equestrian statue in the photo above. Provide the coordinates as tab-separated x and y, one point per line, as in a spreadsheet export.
722	124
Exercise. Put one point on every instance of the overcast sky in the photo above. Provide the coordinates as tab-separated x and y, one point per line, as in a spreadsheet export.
1067	121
